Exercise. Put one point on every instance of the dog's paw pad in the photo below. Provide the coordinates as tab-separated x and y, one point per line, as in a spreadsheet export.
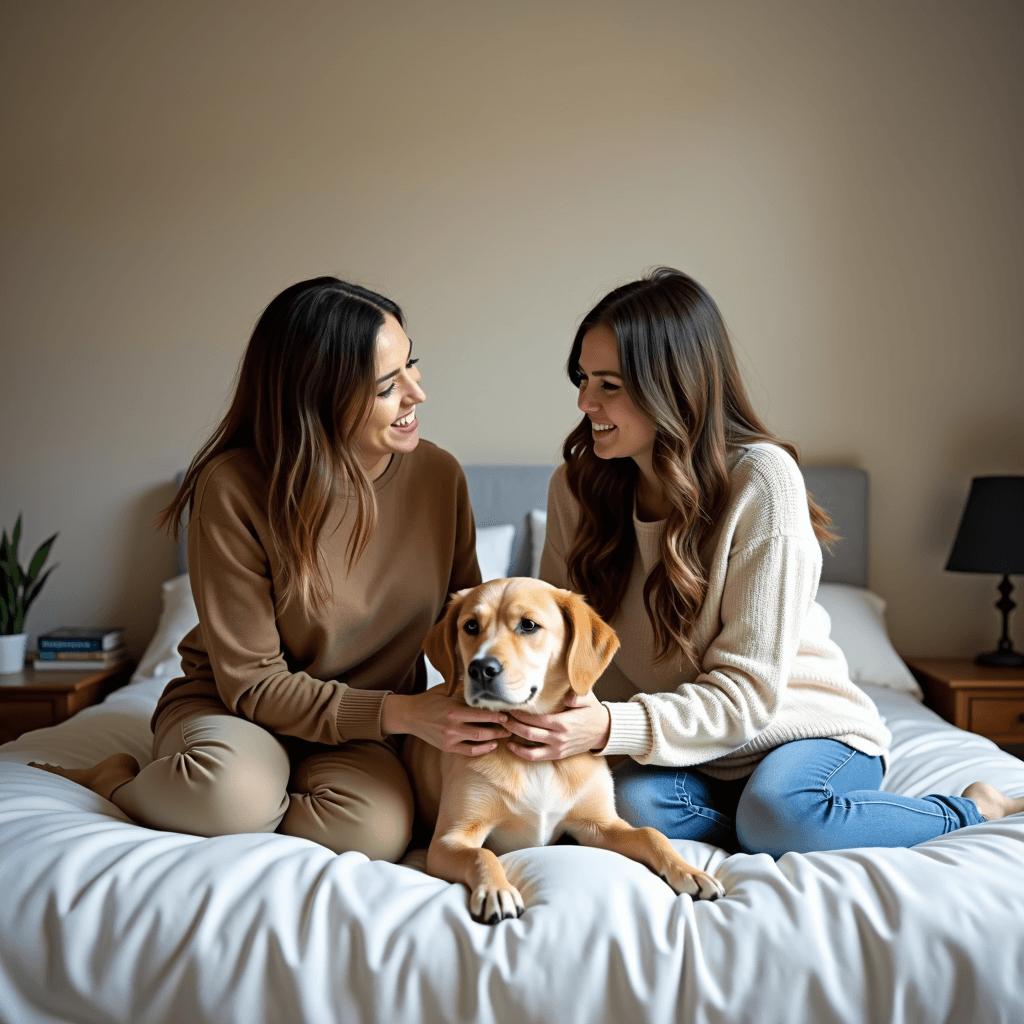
708	887
489	905
714	891
698	885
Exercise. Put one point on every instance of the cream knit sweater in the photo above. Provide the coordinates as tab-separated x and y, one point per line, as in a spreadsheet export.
769	672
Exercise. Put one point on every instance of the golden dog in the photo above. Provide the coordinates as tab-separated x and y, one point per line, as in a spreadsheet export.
523	644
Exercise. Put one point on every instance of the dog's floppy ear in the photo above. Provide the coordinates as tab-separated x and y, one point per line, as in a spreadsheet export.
591	642
441	645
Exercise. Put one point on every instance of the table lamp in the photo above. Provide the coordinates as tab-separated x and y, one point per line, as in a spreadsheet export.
991	539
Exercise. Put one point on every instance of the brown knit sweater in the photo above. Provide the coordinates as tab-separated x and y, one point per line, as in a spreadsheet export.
324	678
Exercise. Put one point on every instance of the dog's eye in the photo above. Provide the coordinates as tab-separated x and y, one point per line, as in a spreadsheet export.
528	626
471	626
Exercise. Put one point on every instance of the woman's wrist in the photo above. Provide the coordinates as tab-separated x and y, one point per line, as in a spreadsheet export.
630	729
606	732
394	714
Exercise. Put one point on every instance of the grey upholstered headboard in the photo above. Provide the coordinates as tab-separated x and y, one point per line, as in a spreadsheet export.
507	494
843	493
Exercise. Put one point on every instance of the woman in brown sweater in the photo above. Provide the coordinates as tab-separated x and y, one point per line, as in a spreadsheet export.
323	540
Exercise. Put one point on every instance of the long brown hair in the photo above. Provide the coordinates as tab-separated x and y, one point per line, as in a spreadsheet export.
679	370
304	387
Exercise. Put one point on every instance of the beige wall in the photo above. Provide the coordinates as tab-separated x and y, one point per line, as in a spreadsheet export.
844	178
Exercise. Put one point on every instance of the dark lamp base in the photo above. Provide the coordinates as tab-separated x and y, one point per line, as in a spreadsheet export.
1004	656
1001	659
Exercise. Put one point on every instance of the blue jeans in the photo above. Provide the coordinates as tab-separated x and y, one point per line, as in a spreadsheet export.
805	795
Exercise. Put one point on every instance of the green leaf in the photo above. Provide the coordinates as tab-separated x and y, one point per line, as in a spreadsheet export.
12	599
10	610
19	622
7	561
14	540
39	558
32	594
3	617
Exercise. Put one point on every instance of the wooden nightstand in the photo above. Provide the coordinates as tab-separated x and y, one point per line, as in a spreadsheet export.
32	700
988	701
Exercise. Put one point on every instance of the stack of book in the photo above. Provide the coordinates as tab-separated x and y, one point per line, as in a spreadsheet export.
80	648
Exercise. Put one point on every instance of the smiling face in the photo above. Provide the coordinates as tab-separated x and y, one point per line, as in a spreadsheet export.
520	643
391	425
619	429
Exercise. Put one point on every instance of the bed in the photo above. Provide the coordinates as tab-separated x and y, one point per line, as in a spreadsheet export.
102	920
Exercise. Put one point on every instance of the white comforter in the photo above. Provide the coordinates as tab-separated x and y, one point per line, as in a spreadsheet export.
101	920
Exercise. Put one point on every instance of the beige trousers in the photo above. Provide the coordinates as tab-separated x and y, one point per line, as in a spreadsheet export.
215	773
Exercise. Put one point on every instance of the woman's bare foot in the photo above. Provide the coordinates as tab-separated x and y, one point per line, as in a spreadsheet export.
991	803
102	778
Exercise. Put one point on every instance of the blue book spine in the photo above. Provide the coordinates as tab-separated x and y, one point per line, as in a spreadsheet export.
47	655
49	644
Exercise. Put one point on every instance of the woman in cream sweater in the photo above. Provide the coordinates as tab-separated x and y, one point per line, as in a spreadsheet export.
687	526
324	538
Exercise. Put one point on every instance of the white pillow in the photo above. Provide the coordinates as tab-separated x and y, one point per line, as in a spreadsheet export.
858	627
177	618
494	550
538	528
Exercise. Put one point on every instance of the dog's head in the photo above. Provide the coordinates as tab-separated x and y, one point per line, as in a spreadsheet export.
520	643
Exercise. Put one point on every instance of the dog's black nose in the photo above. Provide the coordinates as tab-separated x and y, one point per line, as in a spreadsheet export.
483	670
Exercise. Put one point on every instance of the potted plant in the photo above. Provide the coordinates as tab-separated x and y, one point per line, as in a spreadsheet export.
18	589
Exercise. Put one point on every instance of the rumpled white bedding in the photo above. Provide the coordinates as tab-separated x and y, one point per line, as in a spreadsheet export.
101	920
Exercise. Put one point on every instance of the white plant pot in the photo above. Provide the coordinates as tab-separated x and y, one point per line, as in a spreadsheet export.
12	652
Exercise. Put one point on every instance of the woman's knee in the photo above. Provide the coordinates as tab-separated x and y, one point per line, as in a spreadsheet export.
790	803
215	774
776	821
358	800
378	825
242	795
756	822
387	829
197	792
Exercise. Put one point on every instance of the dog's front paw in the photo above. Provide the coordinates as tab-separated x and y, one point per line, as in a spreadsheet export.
489	904
697	884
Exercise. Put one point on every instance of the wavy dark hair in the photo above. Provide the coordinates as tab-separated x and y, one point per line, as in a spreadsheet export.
679	370
304	387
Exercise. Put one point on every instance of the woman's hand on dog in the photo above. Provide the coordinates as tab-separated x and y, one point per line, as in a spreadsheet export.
443	722
584	725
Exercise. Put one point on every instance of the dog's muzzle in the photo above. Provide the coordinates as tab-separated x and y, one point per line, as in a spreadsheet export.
485	676
487	682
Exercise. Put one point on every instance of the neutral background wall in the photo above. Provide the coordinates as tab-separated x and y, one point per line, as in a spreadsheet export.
844	178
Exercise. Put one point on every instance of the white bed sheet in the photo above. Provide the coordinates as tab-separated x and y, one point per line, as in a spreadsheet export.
101	920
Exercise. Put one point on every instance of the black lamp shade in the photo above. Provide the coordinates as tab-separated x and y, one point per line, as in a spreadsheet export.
991	534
